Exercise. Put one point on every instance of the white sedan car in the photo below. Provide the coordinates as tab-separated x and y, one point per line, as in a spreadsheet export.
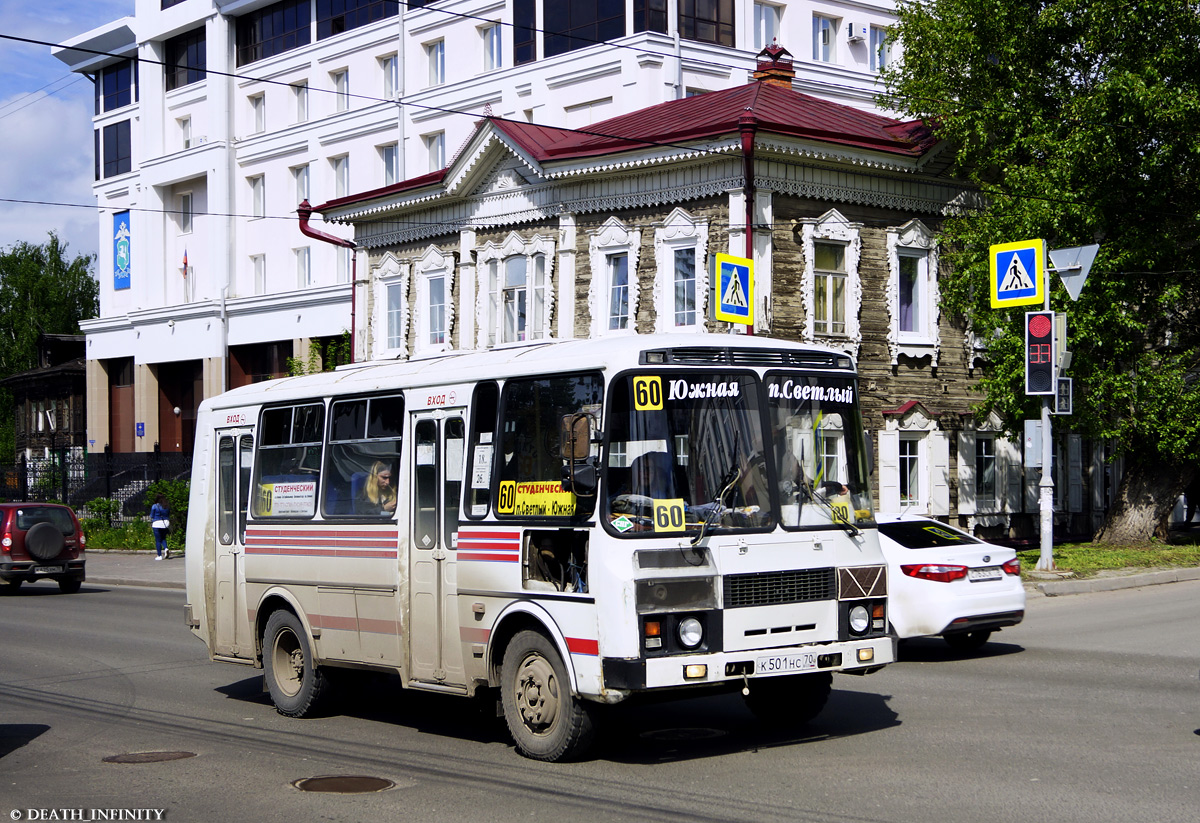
941	580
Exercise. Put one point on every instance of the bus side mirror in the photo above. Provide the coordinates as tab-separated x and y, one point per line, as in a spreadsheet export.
576	437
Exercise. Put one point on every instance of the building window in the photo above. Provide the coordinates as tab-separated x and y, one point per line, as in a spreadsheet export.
395	315
185	213
910	471
337	16
829	288
650	15
116	86
515	293
258	265
824	47
341	175
300	98
880	48
118	149
910	291
300	175
389	157
303	267
912	294
433	312
708	21
493	46
766	25
681	277
577	24
524	31
613	294
258	195
435	53
273	30
390	67
341	89
618	290
185	131
185	58
435	147
258	113
985	471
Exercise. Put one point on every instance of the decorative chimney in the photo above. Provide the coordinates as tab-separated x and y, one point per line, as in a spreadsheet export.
775	66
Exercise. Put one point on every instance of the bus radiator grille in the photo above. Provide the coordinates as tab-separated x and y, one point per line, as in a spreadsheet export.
772	588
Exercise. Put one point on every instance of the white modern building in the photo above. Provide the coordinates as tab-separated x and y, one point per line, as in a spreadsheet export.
214	119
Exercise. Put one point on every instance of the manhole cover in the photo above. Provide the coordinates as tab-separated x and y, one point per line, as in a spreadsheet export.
683	735
343	784
148	757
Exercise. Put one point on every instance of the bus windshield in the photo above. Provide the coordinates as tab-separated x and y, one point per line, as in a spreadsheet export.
686	452
820	460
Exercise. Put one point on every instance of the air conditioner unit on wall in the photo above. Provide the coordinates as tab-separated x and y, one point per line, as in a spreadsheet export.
856	31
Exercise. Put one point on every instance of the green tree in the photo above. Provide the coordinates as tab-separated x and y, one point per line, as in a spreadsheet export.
41	291
1077	120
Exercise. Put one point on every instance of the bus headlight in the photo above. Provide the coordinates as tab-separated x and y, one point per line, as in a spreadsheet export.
860	619
690	632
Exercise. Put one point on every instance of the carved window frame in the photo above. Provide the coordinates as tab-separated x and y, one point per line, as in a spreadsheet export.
833	227
488	301
390	274
613	237
433	264
679	231
913	239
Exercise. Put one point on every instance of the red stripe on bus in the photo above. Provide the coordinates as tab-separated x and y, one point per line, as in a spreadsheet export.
501	558
471	634
581	645
294	551
477	544
481	535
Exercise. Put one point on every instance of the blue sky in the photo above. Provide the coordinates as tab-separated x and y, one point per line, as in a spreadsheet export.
46	123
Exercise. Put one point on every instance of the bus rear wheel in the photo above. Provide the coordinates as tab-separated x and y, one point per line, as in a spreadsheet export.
297	686
790	700
545	720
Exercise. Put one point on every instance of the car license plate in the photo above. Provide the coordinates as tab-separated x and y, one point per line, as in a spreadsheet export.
784	663
990	573
47	569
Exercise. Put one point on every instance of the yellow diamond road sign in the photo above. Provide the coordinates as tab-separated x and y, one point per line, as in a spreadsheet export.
1018	273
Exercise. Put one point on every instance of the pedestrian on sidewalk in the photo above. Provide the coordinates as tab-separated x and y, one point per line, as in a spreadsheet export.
160	521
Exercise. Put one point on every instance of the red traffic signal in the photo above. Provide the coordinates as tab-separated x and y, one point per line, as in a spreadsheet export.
1039	353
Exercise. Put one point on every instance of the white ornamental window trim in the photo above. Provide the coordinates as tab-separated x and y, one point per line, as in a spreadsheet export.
834	228
513	245
679	231
431	264
388	273
913	236
613	237
914	422
989	514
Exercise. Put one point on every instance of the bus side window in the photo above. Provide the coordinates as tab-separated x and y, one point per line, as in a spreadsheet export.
287	471
363	459
481	452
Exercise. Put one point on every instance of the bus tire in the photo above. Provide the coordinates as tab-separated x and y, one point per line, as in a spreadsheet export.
546	721
297	686
789	700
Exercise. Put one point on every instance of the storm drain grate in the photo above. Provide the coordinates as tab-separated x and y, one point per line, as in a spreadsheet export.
148	757
343	784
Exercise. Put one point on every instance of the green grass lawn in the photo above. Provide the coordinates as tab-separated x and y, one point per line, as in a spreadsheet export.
1086	559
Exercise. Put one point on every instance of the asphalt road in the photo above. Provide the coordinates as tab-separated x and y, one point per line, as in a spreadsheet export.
1089	711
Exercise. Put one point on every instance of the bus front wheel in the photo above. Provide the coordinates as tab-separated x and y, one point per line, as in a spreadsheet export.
545	720
295	683
790	700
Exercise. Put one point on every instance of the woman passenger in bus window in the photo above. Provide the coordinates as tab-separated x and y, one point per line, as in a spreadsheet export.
378	496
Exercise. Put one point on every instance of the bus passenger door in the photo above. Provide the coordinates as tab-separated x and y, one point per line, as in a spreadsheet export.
234	451
435	649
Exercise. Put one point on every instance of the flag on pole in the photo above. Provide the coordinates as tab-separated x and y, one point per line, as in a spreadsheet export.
185	267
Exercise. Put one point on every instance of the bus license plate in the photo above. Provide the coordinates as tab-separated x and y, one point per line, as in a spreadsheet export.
785	663
47	569
991	573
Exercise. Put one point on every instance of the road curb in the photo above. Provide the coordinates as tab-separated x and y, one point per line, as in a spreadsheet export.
130	581
1107	584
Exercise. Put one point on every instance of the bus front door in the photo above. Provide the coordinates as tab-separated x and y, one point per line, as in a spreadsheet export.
435	650
234	451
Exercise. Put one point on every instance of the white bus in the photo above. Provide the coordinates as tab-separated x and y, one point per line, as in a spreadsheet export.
570	523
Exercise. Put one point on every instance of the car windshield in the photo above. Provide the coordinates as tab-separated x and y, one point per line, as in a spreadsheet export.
686	452
924	534
30	516
820	459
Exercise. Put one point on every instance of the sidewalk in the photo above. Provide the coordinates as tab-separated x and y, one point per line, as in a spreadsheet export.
129	568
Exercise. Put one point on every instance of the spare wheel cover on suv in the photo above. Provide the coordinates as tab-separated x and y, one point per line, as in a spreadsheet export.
44	542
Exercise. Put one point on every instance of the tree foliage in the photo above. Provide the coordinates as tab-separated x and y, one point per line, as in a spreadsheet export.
1077	120
41	291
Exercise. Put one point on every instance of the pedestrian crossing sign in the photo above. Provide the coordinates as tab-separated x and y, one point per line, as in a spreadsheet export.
733	289
1018	273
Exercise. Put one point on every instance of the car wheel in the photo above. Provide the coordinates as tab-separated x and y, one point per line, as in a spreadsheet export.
545	720
297	686
967	641
44	542
69	585
790	700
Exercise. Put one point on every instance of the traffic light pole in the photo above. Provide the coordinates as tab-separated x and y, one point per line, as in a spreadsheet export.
1046	486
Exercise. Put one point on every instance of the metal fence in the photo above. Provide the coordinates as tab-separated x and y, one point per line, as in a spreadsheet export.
75	478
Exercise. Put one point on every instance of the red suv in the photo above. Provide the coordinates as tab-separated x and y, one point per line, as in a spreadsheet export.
40	540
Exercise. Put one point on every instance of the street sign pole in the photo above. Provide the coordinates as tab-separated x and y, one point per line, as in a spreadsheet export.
1046	486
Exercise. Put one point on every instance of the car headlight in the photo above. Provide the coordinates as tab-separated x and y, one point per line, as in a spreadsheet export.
690	632
860	619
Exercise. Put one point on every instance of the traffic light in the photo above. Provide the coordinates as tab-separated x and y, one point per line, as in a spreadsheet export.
1040	357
